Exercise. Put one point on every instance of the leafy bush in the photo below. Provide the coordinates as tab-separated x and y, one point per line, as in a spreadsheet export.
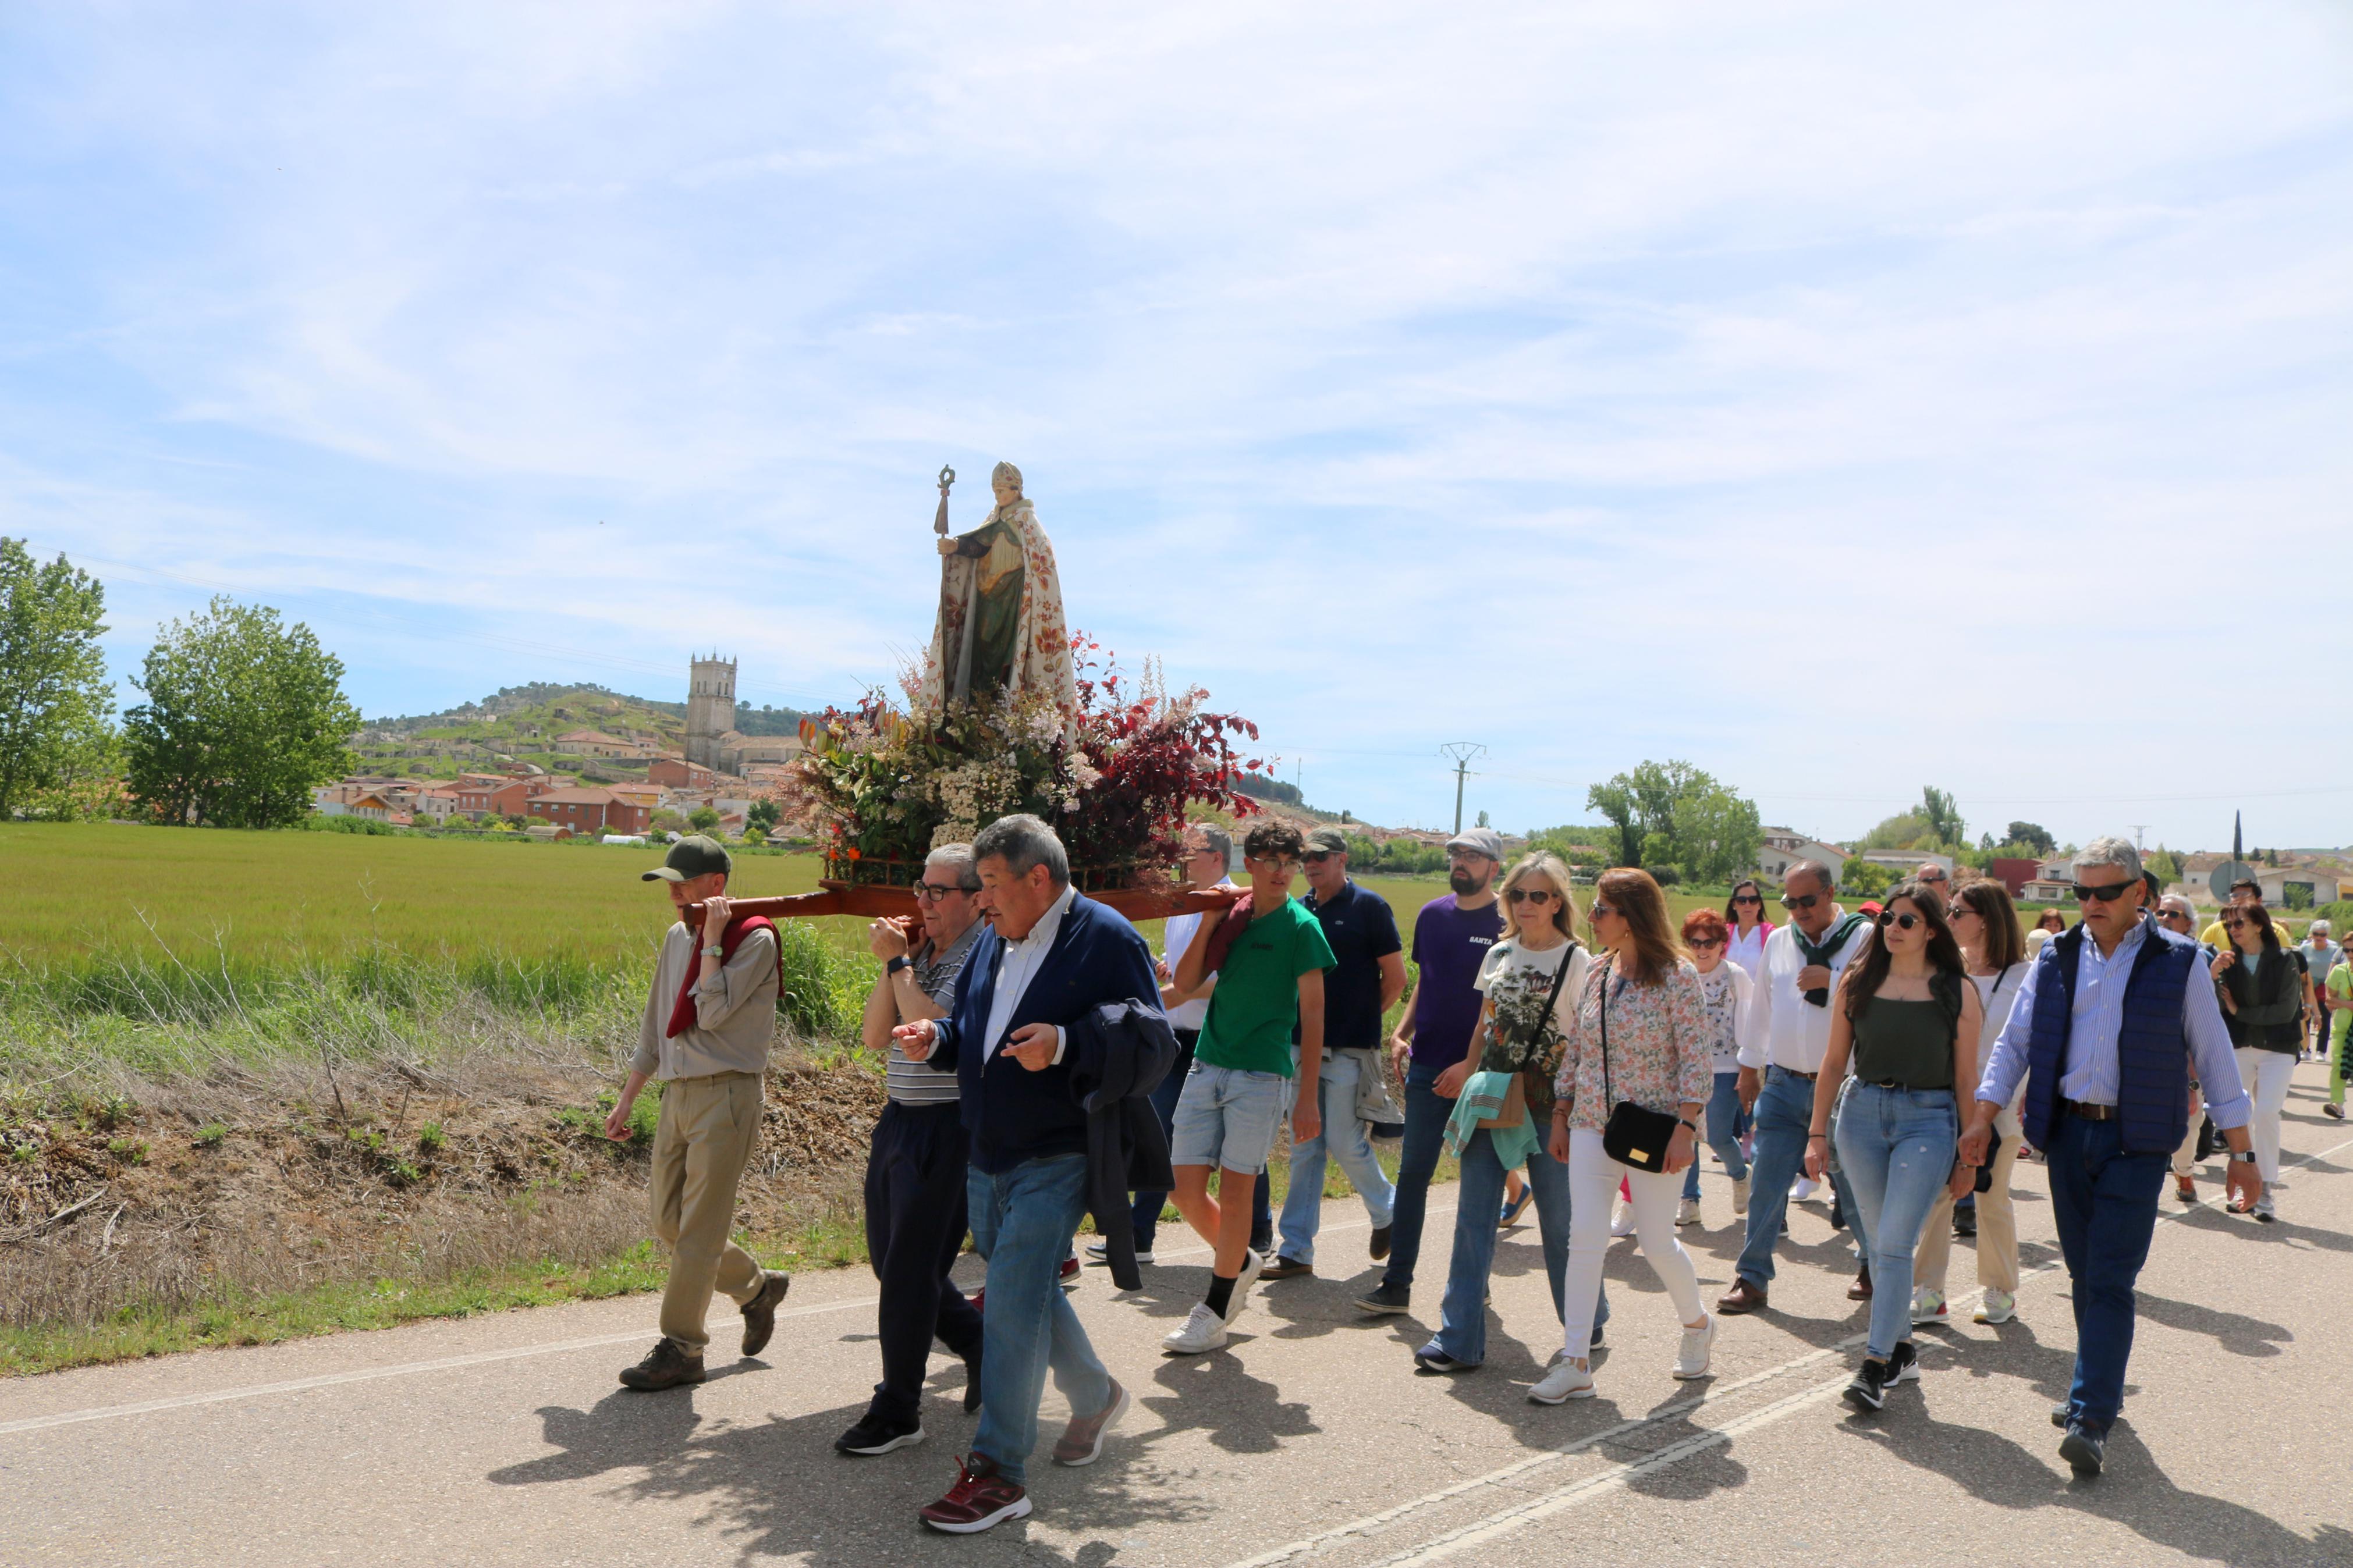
211	1135
432	1138
1665	876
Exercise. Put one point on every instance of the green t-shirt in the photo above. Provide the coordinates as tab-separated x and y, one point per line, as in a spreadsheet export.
1255	1007
2340	1000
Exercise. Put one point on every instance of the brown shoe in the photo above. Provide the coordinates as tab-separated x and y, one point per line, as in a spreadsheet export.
1082	1441
1742	1298
668	1365
760	1311
1285	1269
1861	1290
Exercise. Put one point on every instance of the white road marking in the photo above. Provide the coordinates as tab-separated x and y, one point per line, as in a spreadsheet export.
1505	1521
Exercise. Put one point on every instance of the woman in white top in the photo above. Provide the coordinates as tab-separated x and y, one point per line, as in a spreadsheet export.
1985	922
1746	927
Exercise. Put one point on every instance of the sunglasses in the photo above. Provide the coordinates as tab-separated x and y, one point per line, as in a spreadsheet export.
2108	894
1701	943
932	893
1600	912
1530	895
1902	923
1746	899
1807	903
1316	857
2234	925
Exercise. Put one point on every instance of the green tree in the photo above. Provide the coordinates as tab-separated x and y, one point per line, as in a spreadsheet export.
1866	878
2035	837
55	703
1674	814
1615	801
244	717
1943	817
1716	833
1483	820
2166	864
703	819
762	816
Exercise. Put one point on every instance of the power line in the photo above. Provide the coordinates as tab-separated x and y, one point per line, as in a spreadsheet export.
1464	752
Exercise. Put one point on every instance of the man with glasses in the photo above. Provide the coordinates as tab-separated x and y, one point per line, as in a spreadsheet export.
1934	878
1803	960
1366	977
915	1174
1450	939
2111	1022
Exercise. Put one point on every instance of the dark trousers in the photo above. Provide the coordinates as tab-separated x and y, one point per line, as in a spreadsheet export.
1145	1216
1425	1137
916	1211
2105	1201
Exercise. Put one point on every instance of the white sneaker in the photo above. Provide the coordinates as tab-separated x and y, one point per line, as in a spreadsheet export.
1204	1330
1928	1306
1998	1307
1622	1222
1740	1195
1687	1211
1802	1188
1565	1381
1691	1355
1253	1264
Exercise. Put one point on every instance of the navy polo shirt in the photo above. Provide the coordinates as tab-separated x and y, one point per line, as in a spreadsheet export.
1362	932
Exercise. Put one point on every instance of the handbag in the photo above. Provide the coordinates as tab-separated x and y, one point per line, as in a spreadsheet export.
1636	1135
1513	1111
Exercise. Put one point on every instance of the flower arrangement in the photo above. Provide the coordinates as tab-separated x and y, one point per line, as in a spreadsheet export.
885	784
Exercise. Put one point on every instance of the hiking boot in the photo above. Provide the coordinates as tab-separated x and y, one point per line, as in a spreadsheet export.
760	1311
669	1364
979	1499
1386	1298
878	1435
1082	1441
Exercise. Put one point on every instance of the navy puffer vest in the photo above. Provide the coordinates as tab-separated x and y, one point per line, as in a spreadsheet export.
2152	1051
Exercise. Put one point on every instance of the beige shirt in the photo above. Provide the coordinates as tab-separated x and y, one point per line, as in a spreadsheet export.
734	1010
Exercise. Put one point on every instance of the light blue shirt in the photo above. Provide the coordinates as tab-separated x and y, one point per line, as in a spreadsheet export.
1021	959
2093	1075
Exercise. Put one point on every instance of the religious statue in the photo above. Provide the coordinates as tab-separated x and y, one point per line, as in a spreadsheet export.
1000	625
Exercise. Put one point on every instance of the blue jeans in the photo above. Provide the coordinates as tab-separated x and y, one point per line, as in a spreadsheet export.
1784	1112
1022	1221
1723	1131
1343	1139
2105	1201
1897	1148
1463	1320
1425	1137
1145	1216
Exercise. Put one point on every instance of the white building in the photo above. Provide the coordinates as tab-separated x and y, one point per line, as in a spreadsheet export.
2298	887
1783	848
1908	862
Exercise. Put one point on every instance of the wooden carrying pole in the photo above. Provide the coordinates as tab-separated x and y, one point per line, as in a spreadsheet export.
864	899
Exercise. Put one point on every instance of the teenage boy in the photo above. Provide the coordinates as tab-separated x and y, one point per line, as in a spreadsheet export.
915	1199
709	1018
1269	983
1450	939
1367	976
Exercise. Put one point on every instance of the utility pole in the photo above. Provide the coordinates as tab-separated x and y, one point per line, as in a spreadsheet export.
2139	843
1464	752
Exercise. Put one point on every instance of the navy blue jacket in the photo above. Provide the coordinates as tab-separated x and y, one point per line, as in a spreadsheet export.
1014	1114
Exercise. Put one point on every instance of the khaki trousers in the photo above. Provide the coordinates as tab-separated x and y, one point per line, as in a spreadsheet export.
1997	1224
702	1140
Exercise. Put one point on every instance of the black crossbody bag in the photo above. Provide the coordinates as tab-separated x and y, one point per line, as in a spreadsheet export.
1636	1135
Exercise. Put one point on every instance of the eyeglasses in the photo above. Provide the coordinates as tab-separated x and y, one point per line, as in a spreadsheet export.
1902	923
932	893
1701	943
1806	903
2181	915
2107	892
1748	898
1530	895
1602	912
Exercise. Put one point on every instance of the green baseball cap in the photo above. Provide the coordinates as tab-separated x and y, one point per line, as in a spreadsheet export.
1327	841
691	856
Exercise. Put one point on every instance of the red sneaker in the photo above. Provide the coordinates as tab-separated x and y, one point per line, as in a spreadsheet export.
980	1500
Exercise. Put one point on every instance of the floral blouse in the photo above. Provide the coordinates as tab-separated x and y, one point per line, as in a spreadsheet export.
1660	1041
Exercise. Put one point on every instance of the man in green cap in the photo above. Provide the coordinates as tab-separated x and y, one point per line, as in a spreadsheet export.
709	1019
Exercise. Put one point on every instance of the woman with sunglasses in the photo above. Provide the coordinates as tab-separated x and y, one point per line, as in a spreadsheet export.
1639	1034
2263	1007
1907	1014
1985	923
1518	1032
1726	993
1747	927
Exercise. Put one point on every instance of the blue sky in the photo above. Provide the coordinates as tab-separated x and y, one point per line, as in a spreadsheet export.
1841	397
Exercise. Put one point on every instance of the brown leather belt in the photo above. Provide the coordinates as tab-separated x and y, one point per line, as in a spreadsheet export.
2088	1112
1793	1072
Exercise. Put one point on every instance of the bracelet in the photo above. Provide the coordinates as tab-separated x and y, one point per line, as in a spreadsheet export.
1687	1121
1823	1136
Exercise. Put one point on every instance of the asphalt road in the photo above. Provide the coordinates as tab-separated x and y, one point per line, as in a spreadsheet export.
1311	1440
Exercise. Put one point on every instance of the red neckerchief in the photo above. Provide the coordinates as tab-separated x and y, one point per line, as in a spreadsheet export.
682	1017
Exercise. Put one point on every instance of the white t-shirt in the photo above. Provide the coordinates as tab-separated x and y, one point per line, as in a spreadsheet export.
1728	997
1515	981
1178	936
1748	951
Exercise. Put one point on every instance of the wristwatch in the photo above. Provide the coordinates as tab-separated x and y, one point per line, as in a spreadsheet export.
714	951
902	961
2242	1157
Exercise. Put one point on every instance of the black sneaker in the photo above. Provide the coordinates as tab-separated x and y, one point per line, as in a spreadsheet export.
1869	1389
2084	1449
2061	1414
1381	1242
1903	1366
760	1311
972	1386
1964	1223
878	1435
1386	1298
667	1366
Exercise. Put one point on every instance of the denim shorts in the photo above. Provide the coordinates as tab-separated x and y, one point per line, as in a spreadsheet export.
1227	1118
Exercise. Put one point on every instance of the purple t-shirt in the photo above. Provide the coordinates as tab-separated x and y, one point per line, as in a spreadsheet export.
1449	946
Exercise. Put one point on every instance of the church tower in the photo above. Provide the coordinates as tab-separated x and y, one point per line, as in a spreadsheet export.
710	709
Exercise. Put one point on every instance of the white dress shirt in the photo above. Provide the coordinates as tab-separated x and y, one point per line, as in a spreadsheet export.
1018	962
1789	1031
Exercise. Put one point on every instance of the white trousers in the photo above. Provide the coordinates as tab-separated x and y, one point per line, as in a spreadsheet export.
1593	1178
2266	1075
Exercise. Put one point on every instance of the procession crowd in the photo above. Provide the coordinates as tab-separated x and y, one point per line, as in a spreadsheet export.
1044	1066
